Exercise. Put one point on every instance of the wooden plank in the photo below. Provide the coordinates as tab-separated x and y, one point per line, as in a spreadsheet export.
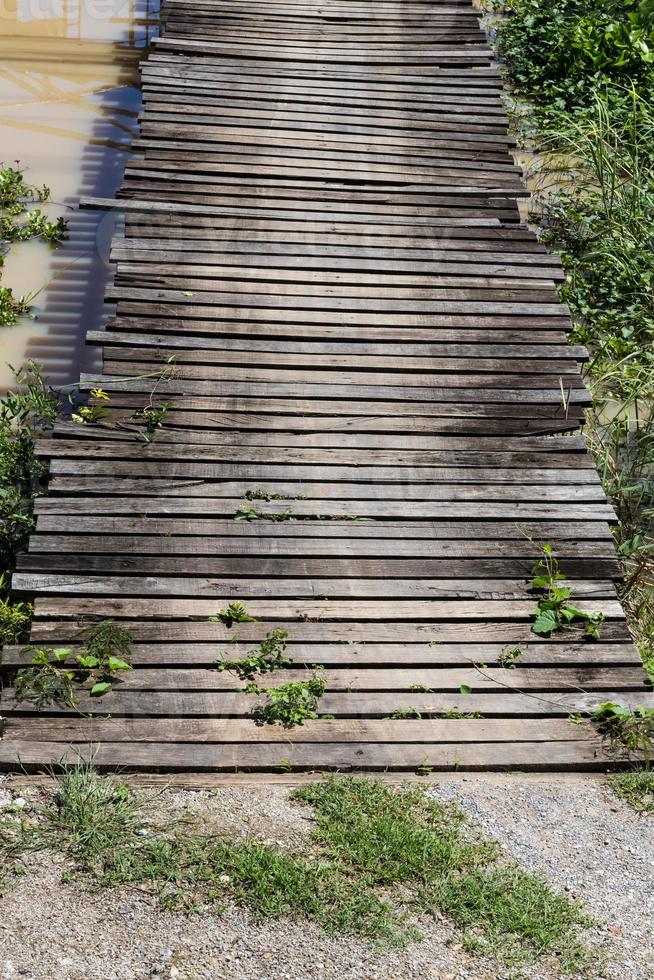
189	630
438	585
266	542
337	609
239	731
311	565
559	532
525	756
567	653
378	679
368	704
322	238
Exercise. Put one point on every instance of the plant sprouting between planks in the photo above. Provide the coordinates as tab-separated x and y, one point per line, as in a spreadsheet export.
555	611
267	657
58	675
290	704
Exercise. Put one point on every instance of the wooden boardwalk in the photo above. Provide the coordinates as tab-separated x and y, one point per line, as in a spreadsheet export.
322	228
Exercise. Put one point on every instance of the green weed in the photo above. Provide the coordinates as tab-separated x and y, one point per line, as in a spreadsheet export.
510	656
15	618
268	495
399	713
627	731
377	854
289	704
235	613
56	675
554	610
26	415
153	417
635	788
268	656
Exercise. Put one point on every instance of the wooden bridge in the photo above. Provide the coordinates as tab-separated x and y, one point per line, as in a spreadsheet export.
324	274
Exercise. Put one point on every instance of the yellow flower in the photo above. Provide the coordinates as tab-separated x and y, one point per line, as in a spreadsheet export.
99	393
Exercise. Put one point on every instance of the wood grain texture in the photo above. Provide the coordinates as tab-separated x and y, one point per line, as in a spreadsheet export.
361	352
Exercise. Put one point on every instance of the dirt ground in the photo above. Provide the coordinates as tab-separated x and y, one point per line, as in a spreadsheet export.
572	830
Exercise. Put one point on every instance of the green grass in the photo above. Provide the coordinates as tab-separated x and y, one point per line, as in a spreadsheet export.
635	788
583	73
379	856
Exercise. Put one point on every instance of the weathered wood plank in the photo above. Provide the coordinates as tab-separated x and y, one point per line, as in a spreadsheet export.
324	278
468	756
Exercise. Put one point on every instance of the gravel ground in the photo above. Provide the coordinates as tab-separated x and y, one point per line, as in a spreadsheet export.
572	831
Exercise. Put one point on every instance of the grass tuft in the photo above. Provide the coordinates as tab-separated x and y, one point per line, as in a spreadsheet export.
635	788
378	856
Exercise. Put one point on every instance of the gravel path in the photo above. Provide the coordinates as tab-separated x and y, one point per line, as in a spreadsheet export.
573	831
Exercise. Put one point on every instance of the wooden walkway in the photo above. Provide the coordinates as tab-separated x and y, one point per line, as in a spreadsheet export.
321	227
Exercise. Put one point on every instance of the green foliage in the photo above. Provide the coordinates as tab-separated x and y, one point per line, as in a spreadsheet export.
19	222
251	514
558	52
289	704
600	221
25	415
635	788
57	675
588	73
268	656
12	308
509	657
398	713
404	839
153	417
93	412
47	682
235	613
627	731
554	610
376	851
15	617
268	495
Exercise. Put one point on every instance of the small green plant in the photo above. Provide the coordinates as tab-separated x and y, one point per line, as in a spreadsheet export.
250	514
26	415
89	414
290	704
421	689
106	650
12	308
456	713
554	610
57	675
235	613
399	713
635	788
15	618
510	656
152	416
47	681
268	495
627	731
19	222
268	656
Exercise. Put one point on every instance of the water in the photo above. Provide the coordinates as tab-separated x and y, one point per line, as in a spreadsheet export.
68	106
